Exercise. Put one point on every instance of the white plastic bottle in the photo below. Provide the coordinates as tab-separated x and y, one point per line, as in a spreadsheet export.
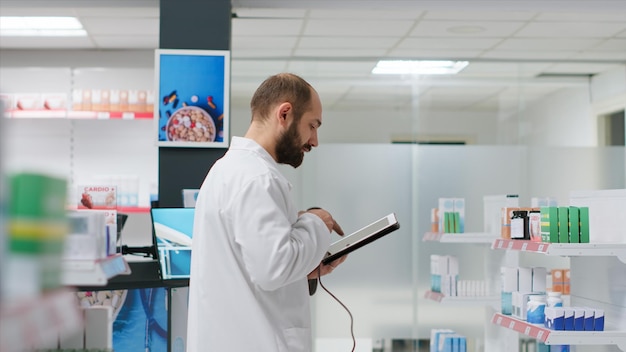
536	309
554	299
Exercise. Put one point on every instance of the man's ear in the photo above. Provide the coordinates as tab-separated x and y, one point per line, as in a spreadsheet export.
284	110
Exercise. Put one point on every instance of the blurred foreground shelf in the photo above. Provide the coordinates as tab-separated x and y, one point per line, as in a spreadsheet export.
93	273
29	323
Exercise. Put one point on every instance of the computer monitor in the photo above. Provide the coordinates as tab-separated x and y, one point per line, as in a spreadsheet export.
172	229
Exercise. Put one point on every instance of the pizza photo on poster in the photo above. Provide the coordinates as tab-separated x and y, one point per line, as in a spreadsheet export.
191	107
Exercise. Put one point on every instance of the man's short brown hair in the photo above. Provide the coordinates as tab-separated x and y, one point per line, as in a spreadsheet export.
280	88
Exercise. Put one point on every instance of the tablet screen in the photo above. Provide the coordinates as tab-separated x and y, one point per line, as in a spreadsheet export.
361	237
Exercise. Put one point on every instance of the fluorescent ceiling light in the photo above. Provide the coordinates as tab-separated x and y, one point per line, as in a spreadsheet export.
418	67
15	26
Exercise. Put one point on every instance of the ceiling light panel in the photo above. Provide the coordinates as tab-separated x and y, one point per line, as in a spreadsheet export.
416	67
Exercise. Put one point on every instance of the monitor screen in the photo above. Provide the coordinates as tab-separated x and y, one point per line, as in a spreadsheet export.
173	229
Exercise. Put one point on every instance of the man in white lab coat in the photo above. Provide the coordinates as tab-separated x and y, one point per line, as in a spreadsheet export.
252	249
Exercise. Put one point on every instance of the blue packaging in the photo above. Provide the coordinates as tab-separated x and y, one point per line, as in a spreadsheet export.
579	319
555	318
536	309
569	319
559	348
598	321
589	319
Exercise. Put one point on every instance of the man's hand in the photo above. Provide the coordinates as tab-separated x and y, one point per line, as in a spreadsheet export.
328	219
325	269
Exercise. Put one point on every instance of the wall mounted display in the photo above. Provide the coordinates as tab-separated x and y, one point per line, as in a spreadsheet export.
192	103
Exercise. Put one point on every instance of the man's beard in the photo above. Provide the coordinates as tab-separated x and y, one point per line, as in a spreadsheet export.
288	149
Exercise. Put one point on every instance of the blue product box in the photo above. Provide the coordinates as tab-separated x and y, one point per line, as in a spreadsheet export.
559	348
555	318
569	319
579	319
589	319
462	344
598	321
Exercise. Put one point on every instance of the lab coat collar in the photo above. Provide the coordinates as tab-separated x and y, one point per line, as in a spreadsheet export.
243	143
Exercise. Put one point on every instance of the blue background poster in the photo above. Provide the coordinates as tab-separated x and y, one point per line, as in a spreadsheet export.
141	323
193	98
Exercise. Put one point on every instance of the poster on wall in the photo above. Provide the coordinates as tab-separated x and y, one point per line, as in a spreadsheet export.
192	104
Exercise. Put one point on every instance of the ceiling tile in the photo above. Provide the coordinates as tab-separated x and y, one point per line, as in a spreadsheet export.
118	12
269	13
124	26
529	55
46	43
253	42
433	54
333	68
616	44
126	41
575	29
256	68
264	27
547	44
479	15
601	55
583	16
466	29
377	14
279	53
579	68
36	11
371	52
447	43
337	42
502	69
359	28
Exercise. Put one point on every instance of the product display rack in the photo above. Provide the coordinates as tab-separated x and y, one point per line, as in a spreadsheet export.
87	115
93	273
38	321
466	237
553	337
463	300
564	249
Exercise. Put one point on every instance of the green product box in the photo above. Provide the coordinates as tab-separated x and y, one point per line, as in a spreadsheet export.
37	196
549	224
574	225
584	224
446	222
457	222
563	225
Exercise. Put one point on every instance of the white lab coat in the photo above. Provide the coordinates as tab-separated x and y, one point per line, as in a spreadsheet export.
251	254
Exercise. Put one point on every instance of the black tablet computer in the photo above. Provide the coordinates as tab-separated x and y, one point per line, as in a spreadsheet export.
361	237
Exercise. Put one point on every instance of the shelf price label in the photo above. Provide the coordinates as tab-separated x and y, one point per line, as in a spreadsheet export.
540	248
500	243
512	324
540	335
524	246
527	330
499	321
510	245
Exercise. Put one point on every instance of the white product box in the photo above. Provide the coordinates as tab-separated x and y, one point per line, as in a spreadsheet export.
606	209
509	279
555	317
492	211
453	265
520	304
525	279
87	238
540	275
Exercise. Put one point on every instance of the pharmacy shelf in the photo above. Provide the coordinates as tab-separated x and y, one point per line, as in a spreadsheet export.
86	115
93	273
553	337
29	323
564	249
463	300
466	237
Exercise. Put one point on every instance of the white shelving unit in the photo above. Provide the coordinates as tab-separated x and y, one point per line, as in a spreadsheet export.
467	237
564	249
463	300
552	337
93	273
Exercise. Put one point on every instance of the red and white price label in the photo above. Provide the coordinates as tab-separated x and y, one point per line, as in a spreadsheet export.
540	335
527	330
512	324
499	321
500	243
524	246
510	245
540	248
